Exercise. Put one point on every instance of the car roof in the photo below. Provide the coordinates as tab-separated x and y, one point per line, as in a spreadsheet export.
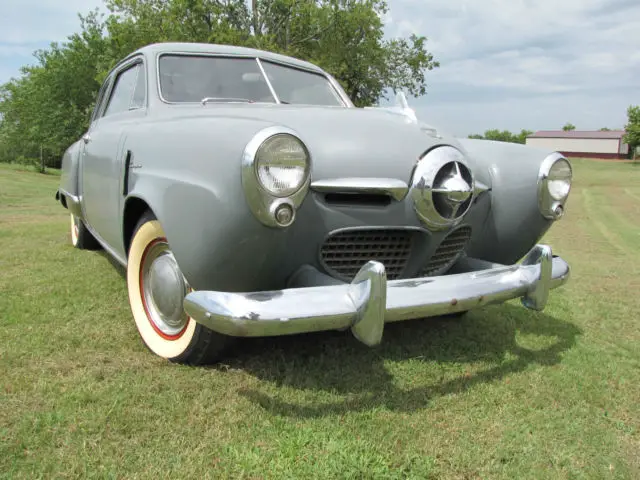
212	48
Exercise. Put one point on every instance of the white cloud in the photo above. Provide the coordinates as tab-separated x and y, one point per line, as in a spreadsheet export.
526	63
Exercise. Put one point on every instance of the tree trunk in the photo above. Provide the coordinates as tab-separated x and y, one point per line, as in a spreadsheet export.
256	17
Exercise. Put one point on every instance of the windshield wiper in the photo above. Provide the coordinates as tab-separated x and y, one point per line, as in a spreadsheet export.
206	100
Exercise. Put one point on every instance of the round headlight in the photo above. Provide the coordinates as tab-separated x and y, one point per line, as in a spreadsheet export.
554	185
559	180
282	165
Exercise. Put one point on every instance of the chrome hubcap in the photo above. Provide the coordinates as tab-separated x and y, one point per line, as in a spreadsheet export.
164	289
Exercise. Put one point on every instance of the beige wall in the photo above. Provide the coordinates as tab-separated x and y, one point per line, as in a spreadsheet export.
583	145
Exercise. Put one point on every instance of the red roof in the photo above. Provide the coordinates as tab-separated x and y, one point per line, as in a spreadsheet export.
578	134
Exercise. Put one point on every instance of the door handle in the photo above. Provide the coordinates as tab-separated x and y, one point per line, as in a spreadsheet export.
86	137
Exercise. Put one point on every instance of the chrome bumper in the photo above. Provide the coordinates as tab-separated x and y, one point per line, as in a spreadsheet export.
370	301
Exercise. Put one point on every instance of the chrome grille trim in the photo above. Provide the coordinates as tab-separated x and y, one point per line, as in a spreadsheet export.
447	252
345	252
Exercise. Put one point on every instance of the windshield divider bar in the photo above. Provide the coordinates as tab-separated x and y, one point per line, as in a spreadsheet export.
264	73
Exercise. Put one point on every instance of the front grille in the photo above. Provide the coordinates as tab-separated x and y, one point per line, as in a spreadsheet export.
344	253
448	252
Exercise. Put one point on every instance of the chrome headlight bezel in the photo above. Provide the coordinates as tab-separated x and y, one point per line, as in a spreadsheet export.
262	202
424	187
552	207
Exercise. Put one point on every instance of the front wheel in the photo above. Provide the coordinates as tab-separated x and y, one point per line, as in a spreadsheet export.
156	293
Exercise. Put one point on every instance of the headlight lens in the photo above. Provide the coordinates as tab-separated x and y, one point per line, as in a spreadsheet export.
559	180
282	164
554	185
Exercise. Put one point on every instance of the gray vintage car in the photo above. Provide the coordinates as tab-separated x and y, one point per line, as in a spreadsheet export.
247	196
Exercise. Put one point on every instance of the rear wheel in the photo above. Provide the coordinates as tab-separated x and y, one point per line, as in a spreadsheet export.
156	293
81	236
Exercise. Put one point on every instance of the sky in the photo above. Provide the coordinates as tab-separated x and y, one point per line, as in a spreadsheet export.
507	64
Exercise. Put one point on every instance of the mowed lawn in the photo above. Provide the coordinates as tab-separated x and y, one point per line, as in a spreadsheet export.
502	393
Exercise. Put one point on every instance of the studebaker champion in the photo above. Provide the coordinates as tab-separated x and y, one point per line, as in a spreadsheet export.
247	196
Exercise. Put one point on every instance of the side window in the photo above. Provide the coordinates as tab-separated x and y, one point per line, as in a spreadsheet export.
140	92
122	95
100	100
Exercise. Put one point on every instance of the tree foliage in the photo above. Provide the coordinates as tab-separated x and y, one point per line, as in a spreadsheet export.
49	104
503	136
632	128
568	127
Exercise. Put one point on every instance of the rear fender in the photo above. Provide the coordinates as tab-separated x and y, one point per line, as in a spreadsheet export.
69	190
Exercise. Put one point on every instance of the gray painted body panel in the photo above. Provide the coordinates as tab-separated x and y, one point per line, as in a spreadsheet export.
515	222
70	168
190	176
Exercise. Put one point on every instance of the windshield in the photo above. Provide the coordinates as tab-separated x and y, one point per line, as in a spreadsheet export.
192	78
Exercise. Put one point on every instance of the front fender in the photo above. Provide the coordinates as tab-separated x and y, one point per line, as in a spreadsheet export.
514	224
214	237
189	173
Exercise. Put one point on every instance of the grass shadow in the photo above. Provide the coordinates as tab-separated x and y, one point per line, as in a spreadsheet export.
122	271
336	363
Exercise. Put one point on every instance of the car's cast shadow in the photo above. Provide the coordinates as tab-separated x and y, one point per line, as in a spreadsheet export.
328	364
334	363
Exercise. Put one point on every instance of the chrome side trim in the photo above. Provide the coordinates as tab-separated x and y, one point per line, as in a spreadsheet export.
397	189
74	203
262	203
370	301
549	207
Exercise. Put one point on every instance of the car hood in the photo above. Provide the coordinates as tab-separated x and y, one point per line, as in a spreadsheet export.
343	142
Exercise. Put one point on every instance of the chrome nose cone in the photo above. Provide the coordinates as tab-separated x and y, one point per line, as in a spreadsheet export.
455	190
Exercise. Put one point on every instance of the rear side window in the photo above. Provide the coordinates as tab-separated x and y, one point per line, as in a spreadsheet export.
122	97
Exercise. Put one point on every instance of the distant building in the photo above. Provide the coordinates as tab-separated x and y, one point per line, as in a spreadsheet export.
587	144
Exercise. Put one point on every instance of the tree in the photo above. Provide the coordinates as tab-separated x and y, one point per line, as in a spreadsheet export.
632	128
345	37
568	127
48	106
50	103
504	136
605	129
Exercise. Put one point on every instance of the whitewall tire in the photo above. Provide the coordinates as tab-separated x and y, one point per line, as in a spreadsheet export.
156	291
81	236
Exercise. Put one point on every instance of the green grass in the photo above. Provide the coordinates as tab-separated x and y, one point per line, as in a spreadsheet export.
503	393
21	167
